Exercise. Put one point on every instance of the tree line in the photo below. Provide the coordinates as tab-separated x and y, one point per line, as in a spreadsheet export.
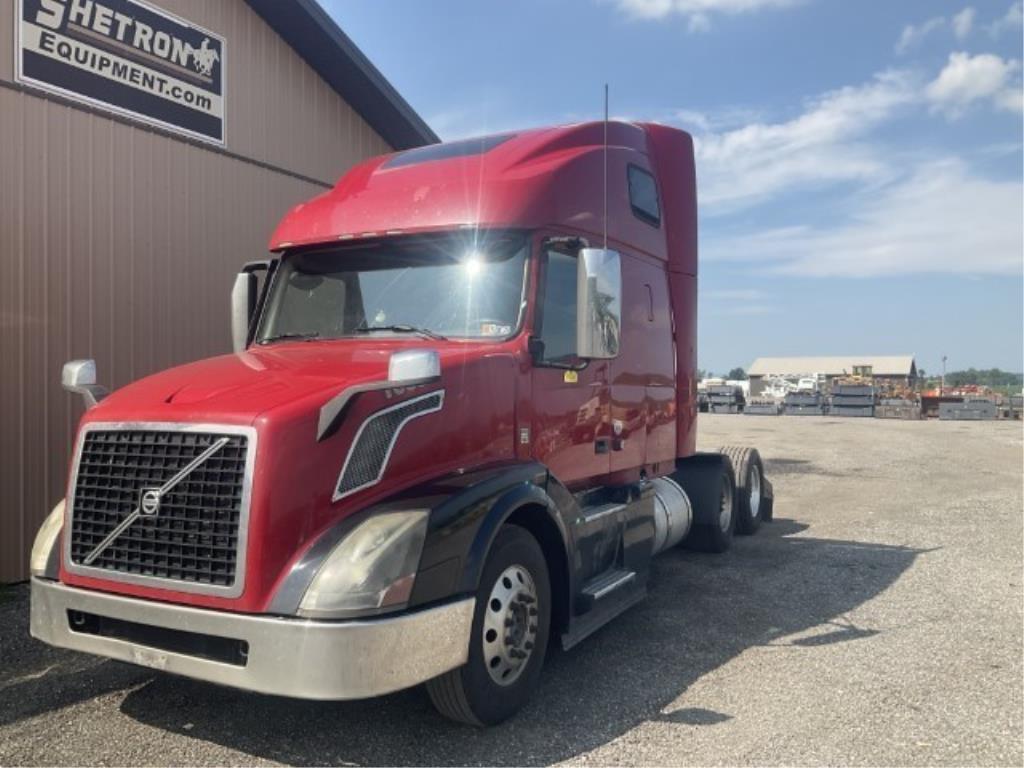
986	377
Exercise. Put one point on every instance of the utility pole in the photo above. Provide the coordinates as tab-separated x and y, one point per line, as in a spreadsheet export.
942	384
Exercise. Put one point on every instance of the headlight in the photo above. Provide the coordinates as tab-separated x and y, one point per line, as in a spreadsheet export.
45	541
373	567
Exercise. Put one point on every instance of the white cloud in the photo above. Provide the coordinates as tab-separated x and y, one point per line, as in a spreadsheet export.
940	219
905	215
743	166
744	160
1013	18
912	35
720	120
735	294
697	12
963	22
749	309
1010	100
968	79
699	22
738	301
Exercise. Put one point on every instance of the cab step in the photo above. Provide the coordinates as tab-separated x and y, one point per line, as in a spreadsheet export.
601	600
606	584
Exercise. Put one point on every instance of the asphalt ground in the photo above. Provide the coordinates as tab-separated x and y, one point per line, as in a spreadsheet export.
877	621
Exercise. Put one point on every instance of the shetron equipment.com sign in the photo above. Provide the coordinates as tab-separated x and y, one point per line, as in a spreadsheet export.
125	56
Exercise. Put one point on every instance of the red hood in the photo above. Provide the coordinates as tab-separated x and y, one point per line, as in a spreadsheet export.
238	388
279	389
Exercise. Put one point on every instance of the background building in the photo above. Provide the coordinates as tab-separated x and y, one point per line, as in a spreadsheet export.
896	370
146	151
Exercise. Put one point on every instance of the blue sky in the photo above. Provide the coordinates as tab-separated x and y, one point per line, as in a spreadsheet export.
859	163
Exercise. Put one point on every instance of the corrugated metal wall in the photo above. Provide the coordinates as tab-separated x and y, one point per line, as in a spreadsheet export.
120	243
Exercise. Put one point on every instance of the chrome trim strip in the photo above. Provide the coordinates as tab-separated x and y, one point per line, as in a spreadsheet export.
602	511
106	574
613	585
288	657
331	410
391	445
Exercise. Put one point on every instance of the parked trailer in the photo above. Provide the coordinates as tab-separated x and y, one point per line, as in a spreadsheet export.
446	435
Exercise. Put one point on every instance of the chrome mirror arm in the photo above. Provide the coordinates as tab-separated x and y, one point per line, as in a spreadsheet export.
79	376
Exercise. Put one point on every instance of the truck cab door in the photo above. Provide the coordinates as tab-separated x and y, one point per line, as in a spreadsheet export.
571	433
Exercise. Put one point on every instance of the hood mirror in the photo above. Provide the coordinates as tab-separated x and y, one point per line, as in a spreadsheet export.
79	376
598	303
414	366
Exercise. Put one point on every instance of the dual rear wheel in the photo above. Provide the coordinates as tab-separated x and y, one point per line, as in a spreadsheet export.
752	508
728	497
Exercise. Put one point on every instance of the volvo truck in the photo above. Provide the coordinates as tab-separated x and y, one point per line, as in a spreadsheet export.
458	423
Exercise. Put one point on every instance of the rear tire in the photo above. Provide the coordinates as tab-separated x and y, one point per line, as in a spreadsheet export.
496	682
750	488
710	483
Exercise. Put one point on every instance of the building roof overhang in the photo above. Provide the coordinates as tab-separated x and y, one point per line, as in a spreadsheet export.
315	36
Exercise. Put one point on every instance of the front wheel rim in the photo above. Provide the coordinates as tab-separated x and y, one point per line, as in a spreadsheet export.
509	631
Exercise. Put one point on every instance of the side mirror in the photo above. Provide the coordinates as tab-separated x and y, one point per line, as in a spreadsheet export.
244	295
598	303
243	305
79	376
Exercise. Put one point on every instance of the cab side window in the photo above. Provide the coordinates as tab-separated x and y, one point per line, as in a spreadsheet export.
643	196
558	309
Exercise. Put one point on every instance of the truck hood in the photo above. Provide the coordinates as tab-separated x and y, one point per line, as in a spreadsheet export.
238	388
280	390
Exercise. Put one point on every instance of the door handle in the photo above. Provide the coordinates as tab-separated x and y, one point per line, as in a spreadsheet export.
602	445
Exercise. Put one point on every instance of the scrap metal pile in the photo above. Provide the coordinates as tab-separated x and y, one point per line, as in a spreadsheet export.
859	396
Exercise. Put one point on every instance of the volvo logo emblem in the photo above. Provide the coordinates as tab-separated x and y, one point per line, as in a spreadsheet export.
149	504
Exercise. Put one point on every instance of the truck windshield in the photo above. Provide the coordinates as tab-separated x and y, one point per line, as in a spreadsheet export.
438	286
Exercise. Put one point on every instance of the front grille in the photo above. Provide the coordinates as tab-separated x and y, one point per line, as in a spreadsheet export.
194	535
369	452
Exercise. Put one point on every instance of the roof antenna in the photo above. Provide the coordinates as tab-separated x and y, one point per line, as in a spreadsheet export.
606	166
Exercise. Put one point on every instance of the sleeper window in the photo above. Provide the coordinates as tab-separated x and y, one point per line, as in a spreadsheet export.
643	195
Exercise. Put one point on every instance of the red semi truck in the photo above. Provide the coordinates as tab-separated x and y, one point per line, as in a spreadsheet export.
458	423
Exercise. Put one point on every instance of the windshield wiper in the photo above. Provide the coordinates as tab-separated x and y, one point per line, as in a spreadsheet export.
287	336
402	328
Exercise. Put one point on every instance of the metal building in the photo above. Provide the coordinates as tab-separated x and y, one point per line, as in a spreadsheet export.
147	149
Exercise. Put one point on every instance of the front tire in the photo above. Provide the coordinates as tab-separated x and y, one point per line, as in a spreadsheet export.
511	624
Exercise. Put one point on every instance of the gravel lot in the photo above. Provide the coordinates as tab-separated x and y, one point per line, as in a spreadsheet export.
878	620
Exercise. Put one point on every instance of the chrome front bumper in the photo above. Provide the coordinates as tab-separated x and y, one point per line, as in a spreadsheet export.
288	657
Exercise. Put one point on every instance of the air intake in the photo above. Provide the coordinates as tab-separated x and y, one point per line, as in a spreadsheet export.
368	457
